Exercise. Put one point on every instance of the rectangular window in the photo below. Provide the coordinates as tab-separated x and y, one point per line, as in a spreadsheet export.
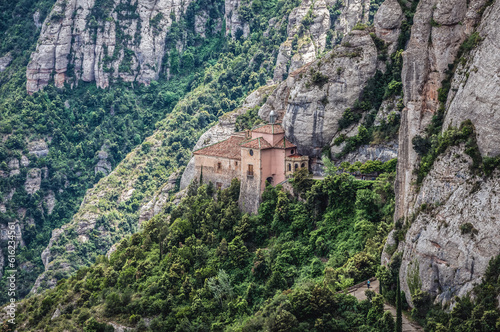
250	170
219	166
218	185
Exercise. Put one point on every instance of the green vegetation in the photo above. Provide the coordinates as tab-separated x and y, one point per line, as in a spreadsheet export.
205	265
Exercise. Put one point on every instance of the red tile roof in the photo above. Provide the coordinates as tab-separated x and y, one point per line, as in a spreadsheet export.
257	143
229	148
269	129
284	144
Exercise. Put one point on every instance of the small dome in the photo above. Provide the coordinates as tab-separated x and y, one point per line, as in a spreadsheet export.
273	117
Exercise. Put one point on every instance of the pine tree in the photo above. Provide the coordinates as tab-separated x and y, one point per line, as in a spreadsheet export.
399	311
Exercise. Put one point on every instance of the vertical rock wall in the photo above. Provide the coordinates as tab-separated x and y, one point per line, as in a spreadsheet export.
98	40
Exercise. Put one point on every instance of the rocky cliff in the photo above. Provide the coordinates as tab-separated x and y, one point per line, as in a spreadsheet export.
316	96
314	26
453	214
100	40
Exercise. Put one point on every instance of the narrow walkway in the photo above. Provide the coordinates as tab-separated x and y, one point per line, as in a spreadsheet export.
359	293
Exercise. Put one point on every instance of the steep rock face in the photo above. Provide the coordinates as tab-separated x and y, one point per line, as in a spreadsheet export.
478	95
5	61
233	20
33	181
387	23
430	49
454	213
91	41
224	129
308	27
310	37
314	98
453	238
383	152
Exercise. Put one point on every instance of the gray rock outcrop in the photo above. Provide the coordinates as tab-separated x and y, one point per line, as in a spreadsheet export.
38	148
103	164
478	94
33	181
455	232
387	22
234	22
5	61
123	41
454	213
430	49
314	97
382	152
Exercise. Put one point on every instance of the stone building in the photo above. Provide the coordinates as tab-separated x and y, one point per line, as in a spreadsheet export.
255	157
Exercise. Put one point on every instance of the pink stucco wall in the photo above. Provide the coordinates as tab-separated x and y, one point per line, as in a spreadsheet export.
273	165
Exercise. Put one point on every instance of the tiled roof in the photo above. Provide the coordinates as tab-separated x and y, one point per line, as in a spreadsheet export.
257	143
284	144
229	148
270	129
295	156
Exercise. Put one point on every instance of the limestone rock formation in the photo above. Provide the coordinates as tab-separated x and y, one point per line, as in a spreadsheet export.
5	61
38	148
125	40
308	29
13	166
388	21
303	44
103	165
50	201
234	22
430	50
478	94
33	181
314	97
454	213
455	234
382	152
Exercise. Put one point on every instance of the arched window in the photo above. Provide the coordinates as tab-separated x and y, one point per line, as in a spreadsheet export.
303	165
289	167
296	166
293	151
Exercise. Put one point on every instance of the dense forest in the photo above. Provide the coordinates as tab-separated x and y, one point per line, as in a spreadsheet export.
206	266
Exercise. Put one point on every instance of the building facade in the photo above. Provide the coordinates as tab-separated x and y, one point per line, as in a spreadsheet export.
254	157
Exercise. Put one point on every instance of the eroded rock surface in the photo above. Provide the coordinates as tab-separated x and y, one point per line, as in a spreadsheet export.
456	234
123	41
38	148
454	213
314	98
5	61
33	181
478	95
